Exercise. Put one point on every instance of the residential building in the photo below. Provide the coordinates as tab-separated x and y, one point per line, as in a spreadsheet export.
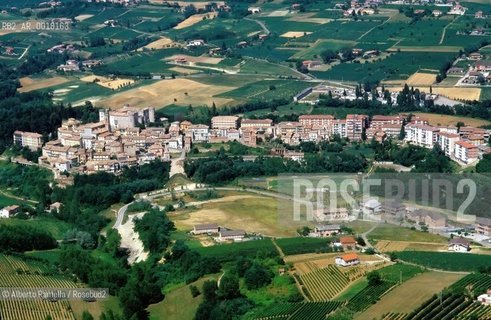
355	125
9	211
257	124
347	242
466	152
446	141
31	140
199	132
421	135
324	121
224	122
349	259
326	230
209	228
429	218
483	226
459	245
485	298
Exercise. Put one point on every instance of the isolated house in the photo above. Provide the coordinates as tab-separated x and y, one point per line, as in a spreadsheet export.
9	211
483	226
349	259
347	242
459	245
485	298
327	230
206	228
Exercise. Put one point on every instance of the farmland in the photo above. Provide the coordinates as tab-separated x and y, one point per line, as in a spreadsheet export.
447	120
229	252
408	296
394	233
300	311
292	246
445	260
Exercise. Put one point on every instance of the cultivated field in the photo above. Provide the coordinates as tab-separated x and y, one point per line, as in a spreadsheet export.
390	246
161	43
108	82
195	18
184	70
408	296
29	84
197	4
394	233
192	59
251	213
83	17
294	34
446	120
456	93
166	92
421	79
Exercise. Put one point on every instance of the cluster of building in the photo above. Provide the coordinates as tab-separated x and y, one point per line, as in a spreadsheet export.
465	145
75	65
312	95
62	48
224	234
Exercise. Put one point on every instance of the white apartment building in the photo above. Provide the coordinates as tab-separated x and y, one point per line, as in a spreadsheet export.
31	140
421	135
446	141
465	152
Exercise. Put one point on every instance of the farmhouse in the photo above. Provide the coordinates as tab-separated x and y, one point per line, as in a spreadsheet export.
234	235
295	156
479	15
455	71
459	245
347	242
485	298
475	56
371	206
206	228
309	64
436	13
254	10
196	43
349	259
9	211
326	230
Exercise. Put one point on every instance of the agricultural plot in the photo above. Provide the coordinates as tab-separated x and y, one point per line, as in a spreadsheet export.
229	252
447	120
368	296
320	46
392	246
324	284
291	246
105	82
30	84
453	303
15	272
267	90
195	18
421	79
397	66
394	233
451	261
300	311
267	68
180	91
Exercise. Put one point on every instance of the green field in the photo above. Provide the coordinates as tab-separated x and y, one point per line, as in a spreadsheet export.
291	246
55	227
229	252
452	261
395	233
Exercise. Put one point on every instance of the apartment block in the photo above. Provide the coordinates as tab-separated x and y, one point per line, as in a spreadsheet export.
355	124
421	135
465	152
225	122
446	141
31	140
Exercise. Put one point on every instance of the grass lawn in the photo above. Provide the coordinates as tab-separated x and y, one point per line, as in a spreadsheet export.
410	295
391	232
8	201
446	120
353	289
95	308
49	255
281	287
178	304
56	228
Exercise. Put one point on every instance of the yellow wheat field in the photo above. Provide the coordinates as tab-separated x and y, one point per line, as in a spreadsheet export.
195	18
107	82
421	79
